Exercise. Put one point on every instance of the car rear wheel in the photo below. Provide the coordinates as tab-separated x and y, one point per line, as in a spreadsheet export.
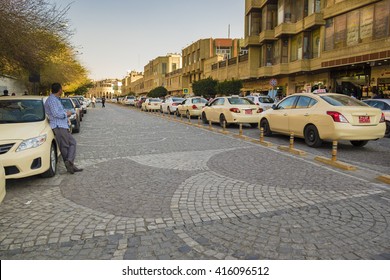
53	163
312	137
266	129
222	120
359	143
204	118
387	133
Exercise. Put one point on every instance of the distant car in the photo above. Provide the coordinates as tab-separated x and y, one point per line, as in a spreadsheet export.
82	102
231	109
384	105
318	117
27	143
75	117
128	100
139	102
98	100
151	104
2	183
265	102
191	107
169	106
78	105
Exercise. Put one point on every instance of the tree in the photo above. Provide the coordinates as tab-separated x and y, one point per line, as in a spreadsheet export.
232	87
158	92
205	87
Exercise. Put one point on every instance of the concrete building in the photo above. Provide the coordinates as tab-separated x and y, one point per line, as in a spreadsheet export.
127	81
109	88
341	44
196	55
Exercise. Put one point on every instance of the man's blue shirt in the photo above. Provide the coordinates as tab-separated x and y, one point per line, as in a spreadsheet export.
56	112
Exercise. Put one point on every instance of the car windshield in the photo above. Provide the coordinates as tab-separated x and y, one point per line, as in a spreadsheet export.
130	97
342	100
266	99
21	111
178	99
198	100
154	100
67	103
239	101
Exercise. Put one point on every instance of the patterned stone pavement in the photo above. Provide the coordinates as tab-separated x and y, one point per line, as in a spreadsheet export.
158	189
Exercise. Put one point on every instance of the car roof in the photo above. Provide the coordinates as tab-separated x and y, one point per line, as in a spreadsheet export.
23	97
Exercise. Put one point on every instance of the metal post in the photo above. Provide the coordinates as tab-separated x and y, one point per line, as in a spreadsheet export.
291	141
240	131
224	126
199	120
334	151
210	125
261	134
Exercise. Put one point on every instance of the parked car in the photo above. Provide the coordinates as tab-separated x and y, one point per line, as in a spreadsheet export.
191	106
231	109
78	105
139	102
384	105
75	117
151	104
98	100
2	183
170	104
318	117
82	102
27	143
265	102
128	100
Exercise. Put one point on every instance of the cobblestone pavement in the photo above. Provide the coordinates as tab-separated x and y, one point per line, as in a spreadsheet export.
153	188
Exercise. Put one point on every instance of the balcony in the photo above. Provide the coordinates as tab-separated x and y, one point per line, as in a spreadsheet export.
285	29
314	20
265	71
251	41
299	66
254	4
280	69
267	35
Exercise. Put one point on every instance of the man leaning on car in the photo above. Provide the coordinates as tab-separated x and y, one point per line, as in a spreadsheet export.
58	119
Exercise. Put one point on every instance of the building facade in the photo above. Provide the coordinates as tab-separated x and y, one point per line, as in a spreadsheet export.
127	81
108	88
341	44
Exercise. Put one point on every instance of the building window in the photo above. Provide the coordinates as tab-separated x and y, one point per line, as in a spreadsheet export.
381	22
164	68
254	23
316	43
225	51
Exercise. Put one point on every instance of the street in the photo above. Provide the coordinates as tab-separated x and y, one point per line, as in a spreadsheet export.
156	188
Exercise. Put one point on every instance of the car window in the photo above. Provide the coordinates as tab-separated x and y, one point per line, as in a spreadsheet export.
239	101
287	103
198	100
380	105
251	98
178	99
20	111
342	100
218	101
266	99
67	103
154	100
305	102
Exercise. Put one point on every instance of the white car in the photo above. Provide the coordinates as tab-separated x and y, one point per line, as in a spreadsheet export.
151	104
384	105
265	102
169	106
191	107
128	100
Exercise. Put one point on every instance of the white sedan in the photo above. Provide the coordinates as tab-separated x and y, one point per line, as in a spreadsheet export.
170	104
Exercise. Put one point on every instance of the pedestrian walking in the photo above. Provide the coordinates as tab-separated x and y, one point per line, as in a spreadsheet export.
103	102
93	101
58	118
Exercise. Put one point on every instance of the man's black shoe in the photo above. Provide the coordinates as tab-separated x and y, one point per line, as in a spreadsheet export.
76	169
69	167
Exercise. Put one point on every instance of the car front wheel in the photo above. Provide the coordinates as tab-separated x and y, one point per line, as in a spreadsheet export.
266	129
204	118
387	133
312	137
53	163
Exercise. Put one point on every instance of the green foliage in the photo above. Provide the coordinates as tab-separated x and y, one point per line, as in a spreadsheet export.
82	89
158	92
227	88
205	87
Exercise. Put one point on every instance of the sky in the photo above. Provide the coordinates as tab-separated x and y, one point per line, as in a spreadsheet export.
113	37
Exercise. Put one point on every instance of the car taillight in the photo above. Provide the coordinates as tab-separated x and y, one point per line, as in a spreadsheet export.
174	104
235	110
382	118
260	110
337	117
149	103
194	107
257	103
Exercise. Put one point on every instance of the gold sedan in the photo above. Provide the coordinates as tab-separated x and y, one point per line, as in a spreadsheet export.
231	109
151	104
318	117
191	107
27	143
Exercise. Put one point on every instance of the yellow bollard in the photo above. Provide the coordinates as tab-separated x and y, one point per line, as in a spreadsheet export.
210	125
334	151
240	131
261	134
199	121
291	141
224	126
189	118
181	117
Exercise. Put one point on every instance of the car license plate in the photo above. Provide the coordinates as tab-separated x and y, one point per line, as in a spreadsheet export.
364	119
248	112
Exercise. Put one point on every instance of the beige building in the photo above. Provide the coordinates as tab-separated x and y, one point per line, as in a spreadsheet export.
127	81
109	88
342	44
196	55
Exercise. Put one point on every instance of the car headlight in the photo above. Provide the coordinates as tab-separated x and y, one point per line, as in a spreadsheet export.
72	117
32	143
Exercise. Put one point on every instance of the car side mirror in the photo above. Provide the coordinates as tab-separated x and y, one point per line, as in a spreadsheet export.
274	107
